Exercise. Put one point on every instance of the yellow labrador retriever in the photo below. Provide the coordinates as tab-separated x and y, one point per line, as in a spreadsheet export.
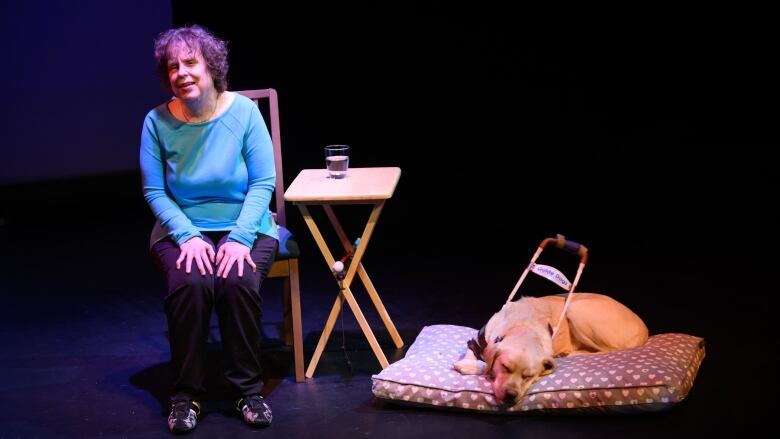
516	346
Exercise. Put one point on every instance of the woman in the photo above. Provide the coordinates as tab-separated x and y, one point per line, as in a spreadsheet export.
208	175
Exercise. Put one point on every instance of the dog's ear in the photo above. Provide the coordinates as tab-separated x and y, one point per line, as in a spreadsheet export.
490	355
550	328
548	365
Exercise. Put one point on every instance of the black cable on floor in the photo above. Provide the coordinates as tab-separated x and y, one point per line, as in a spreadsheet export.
343	336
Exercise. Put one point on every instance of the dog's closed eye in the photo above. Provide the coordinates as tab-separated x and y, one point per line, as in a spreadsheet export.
547	368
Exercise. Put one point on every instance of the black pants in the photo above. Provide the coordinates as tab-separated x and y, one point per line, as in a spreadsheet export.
188	304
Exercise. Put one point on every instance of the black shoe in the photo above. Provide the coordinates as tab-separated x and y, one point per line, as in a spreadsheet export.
255	410
184	416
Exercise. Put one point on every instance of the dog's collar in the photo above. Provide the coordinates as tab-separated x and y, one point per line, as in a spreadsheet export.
478	344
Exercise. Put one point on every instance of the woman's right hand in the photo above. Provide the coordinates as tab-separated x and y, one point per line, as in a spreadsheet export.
201	251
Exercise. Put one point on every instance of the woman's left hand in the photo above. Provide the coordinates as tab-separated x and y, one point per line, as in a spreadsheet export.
233	252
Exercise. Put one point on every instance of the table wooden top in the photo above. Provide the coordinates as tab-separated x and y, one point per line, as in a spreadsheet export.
314	186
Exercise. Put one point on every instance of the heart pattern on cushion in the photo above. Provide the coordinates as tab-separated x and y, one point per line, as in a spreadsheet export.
652	377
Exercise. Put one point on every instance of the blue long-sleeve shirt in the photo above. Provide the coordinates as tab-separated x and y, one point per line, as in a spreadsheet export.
209	176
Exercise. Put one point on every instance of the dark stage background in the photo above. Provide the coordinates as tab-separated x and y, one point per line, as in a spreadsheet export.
646	136
77	85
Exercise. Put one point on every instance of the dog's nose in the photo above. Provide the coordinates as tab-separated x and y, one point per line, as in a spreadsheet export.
510	396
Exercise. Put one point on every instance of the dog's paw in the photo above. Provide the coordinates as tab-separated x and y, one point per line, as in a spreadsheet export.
468	366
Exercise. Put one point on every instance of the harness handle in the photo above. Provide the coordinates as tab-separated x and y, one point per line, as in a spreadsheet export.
570	246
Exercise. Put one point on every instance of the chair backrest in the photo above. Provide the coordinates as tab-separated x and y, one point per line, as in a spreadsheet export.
273	119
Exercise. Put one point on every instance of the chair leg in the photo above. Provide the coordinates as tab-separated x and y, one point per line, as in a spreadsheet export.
293	332
287	309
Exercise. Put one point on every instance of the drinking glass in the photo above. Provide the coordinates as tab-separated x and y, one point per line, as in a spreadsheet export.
337	160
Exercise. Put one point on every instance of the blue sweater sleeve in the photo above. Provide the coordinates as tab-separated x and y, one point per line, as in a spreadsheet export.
258	152
163	206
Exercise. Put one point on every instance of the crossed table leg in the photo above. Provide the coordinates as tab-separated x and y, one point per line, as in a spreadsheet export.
355	267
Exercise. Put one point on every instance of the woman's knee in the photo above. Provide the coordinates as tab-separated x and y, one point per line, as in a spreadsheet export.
239	289
192	284
249	282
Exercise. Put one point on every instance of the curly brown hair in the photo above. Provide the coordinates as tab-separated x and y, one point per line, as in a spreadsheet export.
197	38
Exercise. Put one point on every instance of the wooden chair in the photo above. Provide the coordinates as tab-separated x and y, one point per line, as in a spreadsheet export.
286	262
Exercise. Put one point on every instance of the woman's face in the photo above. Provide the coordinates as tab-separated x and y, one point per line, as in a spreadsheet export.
188	73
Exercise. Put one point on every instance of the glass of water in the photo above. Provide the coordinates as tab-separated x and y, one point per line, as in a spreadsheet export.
337	160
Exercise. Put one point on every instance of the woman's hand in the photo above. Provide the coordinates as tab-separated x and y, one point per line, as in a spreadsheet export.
233	252
201	251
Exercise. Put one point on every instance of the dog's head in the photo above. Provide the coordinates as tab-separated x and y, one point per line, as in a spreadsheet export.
516	360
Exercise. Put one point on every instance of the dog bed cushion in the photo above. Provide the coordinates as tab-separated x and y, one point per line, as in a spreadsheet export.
652	377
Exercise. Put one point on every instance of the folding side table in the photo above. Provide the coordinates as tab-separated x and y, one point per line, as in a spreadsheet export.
371	186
